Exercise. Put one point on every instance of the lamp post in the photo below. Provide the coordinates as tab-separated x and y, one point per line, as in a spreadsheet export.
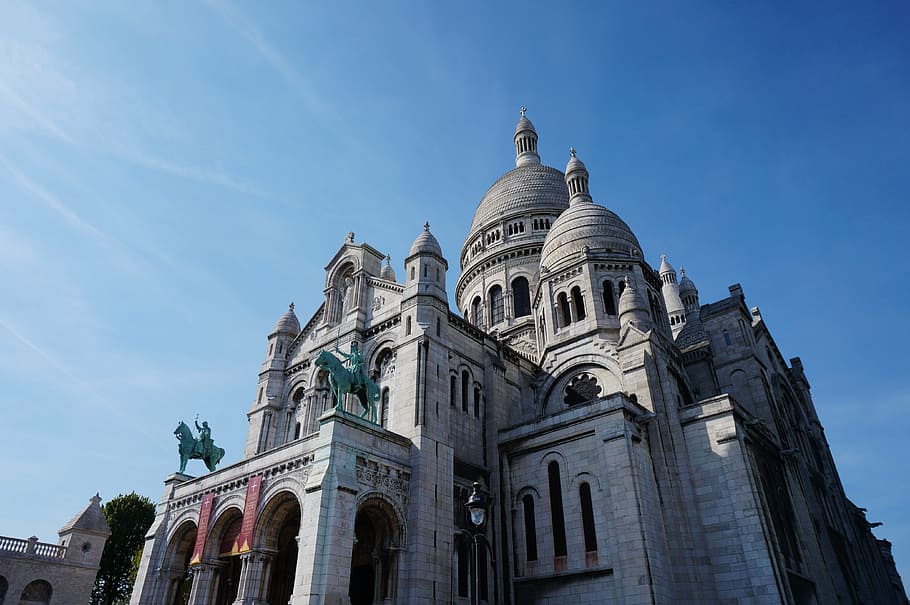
477	506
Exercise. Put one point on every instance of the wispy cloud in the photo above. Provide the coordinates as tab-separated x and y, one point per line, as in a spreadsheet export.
269	52
213	177
35	114
50	359
55	204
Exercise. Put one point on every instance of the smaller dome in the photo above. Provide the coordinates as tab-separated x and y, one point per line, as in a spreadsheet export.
574	163
425	243
387	272
590	225
686	285
524	124
288	323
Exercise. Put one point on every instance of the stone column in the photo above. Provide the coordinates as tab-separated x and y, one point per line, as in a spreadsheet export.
203	575
253	578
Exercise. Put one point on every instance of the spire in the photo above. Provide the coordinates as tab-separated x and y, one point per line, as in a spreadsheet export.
577	179
525	142
667	272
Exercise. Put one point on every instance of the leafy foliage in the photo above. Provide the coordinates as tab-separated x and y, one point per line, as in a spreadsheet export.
129	516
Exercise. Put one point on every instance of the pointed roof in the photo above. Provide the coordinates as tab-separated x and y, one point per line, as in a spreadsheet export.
426	243
288	322
665	266
91	518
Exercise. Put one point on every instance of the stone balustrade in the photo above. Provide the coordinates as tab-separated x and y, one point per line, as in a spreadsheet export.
32	546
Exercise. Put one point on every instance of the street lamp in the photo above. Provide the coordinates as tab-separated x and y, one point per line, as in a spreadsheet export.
477	506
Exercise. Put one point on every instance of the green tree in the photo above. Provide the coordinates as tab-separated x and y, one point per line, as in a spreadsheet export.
129	516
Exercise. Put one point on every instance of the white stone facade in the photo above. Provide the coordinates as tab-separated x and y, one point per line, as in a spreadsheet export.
638	447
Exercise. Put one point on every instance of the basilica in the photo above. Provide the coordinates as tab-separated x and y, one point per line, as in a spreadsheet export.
577	426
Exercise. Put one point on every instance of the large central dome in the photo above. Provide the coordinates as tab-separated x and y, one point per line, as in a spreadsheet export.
525	189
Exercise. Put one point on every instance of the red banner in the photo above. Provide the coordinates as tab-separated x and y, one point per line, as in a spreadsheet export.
249	514
202	530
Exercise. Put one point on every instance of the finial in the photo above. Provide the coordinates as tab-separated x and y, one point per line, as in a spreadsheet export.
388	259
572	151
523	110
291	307
426	226
682	271
350	237
663	257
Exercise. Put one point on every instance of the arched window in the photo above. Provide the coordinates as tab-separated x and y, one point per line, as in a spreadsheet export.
412	273
556	514
530	528
38	592
384	410
609	298
297	431
496	306
408	326
465	382
565	316
453	382
587	517
475	311
476	402
521	296
579	303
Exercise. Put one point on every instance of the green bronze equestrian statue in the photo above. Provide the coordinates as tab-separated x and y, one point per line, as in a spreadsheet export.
353	380
203	448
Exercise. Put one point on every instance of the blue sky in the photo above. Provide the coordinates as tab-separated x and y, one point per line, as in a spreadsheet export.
172	175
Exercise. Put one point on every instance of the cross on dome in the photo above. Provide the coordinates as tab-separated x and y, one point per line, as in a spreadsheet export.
523	110
426	226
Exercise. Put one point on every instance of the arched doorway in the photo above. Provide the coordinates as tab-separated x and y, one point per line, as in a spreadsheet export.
281	518
374	560
177	564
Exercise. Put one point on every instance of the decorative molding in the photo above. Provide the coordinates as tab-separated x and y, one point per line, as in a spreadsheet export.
392	482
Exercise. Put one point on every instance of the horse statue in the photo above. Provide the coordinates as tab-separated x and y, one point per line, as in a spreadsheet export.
191	448
344	381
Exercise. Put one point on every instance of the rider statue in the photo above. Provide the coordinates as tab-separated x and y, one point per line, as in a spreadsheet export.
356	359
204	443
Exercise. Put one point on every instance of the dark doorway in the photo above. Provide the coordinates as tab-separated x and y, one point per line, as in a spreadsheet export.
363	577
285	563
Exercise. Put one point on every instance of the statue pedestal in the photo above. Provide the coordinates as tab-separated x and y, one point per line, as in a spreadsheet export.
177	478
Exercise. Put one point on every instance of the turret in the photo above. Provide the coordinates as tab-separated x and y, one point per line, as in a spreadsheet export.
676	312
425	286
633	308
85	534
577	180
262	418
688	293
426	267
387	272
525	142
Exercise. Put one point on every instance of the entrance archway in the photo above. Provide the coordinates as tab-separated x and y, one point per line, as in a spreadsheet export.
374	559
281	518
223	537
177	564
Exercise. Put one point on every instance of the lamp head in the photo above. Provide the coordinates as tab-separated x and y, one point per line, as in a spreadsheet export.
477	505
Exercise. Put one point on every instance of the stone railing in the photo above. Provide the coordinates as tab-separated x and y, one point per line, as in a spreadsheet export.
32	547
